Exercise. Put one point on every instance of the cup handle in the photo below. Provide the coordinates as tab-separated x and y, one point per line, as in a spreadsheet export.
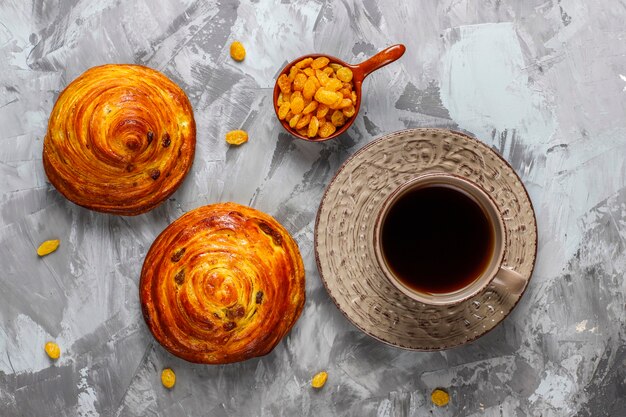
510	281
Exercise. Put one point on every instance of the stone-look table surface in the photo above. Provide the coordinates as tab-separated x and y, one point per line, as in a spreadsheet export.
541	81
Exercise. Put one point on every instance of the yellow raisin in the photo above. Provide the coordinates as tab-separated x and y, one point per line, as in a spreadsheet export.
337	104
168	378
322	110
345	103
284	84
289	115
53	350
279	100
304	63
440	397
304	120
236	137
314	124
335	66
310	72
298	82
329	71
309	88
319	379
349	111
302	132
344	74
310	107
322	120
294	120
295	94
48	247
353	97
317	83
297	105
338	119
346	93
326	130
237	51
333	84
347	85
327	97
293	71
320	62
321	77
283	110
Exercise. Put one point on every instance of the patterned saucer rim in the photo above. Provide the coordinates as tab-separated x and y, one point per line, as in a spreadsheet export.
410	133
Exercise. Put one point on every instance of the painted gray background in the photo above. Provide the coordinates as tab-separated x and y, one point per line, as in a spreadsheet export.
542	81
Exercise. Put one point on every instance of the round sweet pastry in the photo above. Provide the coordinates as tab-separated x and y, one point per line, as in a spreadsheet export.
223	283
120	139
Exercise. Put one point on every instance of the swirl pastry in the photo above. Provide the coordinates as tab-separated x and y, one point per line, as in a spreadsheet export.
223	283
120	139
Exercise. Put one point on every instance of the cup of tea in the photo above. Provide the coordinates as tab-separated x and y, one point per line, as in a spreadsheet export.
440	239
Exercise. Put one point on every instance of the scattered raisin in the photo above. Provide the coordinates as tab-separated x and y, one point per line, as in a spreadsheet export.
440	397
236	137
48	247
168	378
150	136
228	326
53	350
319	379
237	51
259	297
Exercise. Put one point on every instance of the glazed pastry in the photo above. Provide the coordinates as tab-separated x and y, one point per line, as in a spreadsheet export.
120	139
223	283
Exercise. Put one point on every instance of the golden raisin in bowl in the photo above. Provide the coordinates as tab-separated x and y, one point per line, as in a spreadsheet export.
316	97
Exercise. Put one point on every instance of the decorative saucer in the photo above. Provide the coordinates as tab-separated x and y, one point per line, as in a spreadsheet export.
344	238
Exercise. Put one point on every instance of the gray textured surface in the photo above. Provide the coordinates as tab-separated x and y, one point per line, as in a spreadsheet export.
544	82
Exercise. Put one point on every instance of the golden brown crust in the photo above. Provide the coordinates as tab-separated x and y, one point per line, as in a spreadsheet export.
120	139
223	283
